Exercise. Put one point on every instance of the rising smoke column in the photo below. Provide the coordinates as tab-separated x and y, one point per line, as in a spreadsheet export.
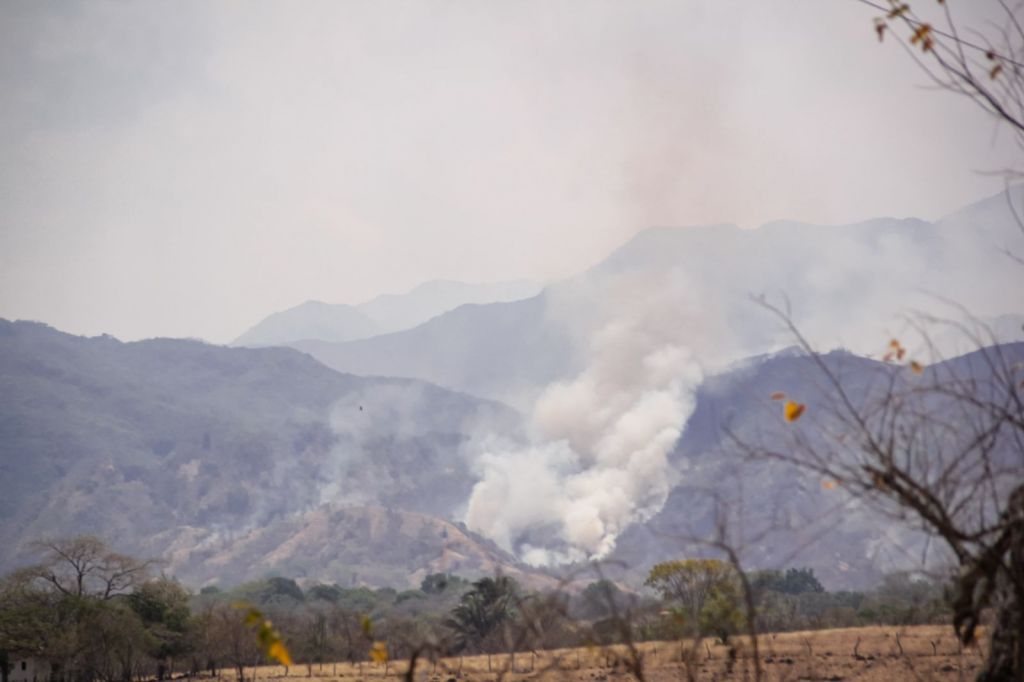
598	460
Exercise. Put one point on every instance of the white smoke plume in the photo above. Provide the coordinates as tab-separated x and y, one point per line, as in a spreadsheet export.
599	456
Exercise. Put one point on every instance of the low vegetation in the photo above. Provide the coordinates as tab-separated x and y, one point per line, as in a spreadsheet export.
94	614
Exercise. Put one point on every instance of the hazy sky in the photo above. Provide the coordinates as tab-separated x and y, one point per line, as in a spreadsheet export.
185	168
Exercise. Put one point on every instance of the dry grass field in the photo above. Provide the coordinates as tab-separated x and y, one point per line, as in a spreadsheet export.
873	654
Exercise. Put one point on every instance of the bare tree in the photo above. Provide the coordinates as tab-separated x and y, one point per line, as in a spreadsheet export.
85	565
983	63
941	446
90	612
233	639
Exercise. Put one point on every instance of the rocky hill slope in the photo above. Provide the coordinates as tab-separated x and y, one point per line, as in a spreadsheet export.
156	439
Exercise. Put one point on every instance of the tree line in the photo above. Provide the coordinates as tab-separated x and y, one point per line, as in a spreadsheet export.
91	613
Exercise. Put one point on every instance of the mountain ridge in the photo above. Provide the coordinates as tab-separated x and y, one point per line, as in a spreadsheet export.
315	320
129	440
850	285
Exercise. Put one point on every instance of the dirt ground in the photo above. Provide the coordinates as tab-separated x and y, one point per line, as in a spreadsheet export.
874	654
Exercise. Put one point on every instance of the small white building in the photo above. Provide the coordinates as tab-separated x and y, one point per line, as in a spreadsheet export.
28	670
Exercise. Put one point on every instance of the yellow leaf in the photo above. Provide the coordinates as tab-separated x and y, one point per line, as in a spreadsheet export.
916	367
778	395
829	485
995	71
922	35
793	410
252	616
279	652
379	652
267	637
897	351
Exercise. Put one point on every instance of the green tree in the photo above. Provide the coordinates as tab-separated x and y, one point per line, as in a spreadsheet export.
71	609
437	583
328	593
481	611
722	615
793	581
704	592
599	600
163	607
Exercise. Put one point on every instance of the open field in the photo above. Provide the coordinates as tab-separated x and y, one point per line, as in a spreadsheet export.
871	654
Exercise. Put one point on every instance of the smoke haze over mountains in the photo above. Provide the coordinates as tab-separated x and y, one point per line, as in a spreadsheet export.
673	306
184	169
486	273
599	457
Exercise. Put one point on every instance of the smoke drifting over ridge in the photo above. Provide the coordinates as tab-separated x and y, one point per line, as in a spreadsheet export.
597	459
333	151
674	305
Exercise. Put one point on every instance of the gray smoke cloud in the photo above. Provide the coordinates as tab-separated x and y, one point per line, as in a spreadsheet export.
186	168
597	459
669	308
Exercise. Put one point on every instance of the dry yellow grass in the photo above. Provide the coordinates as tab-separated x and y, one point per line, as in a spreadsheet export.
871	654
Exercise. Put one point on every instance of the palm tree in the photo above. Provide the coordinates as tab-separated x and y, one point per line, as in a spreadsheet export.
482	610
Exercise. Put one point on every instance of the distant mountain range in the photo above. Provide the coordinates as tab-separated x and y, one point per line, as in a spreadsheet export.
151	442
498	349
240	463
849	286
315	320
351	456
